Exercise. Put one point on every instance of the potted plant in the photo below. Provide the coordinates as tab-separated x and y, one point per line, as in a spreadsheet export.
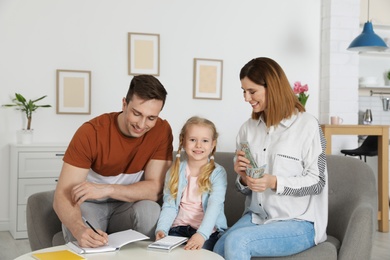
21	103
300	90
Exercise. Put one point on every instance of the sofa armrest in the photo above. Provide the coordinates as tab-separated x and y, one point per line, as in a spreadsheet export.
42	221
359	236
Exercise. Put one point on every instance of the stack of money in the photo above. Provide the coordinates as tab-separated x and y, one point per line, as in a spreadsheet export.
254	171
248	154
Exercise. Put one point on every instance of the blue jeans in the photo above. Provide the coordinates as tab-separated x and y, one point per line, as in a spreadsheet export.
281	238
188	231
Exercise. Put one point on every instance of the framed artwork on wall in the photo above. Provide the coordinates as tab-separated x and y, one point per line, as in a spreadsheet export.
144	54
73	92
207	79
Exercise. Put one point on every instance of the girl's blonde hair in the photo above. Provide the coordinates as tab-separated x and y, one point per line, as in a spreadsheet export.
205	172
281	99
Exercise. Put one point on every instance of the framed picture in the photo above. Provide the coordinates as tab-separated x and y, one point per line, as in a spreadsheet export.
207	79
144	54
73	92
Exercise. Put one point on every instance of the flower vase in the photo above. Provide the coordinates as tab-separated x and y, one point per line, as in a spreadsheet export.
26	136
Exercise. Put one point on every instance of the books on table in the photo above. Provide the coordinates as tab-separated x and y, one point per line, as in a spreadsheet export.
167	243
115	242
58	255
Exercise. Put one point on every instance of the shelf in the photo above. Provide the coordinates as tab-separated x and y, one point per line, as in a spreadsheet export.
375	87
384	54
377	91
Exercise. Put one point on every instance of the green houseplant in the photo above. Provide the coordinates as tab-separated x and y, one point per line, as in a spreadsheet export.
386	75
21	103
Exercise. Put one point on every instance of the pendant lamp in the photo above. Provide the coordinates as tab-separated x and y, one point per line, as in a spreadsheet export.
368	40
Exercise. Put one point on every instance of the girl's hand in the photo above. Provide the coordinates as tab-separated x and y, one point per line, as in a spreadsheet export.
195	242
160	234
261	184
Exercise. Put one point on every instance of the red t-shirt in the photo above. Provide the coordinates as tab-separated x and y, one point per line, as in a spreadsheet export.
100	145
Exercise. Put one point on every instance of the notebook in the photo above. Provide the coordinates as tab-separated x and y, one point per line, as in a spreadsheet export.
57	255
167	243
115	242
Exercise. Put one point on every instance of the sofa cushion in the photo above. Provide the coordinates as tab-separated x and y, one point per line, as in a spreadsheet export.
324	251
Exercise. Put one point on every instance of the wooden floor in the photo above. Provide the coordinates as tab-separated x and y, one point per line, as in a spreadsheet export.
10	248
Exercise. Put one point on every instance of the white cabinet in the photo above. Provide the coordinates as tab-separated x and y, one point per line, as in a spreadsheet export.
33	168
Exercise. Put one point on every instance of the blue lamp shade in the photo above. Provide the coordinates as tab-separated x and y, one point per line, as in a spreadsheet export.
368	40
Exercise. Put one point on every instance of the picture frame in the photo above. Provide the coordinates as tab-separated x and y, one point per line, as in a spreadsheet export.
144	53
207	79
74	92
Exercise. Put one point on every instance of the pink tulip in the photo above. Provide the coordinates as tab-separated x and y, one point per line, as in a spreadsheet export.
304	88
300	90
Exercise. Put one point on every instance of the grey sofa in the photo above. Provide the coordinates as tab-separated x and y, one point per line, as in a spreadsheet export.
352	211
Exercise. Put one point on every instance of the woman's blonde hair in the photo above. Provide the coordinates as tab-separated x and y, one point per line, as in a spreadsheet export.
281	100
205	172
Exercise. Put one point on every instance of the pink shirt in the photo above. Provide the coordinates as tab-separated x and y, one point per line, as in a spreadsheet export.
190	209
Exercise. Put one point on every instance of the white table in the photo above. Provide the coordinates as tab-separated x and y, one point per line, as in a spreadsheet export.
138	250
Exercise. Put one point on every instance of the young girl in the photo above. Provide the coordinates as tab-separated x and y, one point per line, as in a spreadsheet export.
195	188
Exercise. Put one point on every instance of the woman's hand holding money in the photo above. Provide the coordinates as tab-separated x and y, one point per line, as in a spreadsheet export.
261	184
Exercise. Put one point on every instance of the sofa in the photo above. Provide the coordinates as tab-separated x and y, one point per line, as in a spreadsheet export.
352	211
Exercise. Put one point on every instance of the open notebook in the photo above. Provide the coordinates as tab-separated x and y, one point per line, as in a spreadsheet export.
115	242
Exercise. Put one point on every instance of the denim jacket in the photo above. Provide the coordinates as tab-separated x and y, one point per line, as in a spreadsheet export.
212	203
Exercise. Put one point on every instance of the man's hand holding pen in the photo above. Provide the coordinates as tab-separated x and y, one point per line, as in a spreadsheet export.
88	236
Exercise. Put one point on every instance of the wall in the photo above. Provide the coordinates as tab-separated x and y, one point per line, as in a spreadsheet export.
339	67
38	37
376	65
379	116
376	11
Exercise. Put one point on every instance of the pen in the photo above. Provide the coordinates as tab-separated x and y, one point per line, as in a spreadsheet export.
89	224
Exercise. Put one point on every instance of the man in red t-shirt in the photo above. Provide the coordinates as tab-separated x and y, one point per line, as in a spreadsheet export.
114	168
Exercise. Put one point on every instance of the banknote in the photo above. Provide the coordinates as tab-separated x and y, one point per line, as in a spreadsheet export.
253	171
248	154
257	172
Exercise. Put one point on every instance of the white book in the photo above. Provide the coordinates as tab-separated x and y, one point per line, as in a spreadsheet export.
167	243
115	242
